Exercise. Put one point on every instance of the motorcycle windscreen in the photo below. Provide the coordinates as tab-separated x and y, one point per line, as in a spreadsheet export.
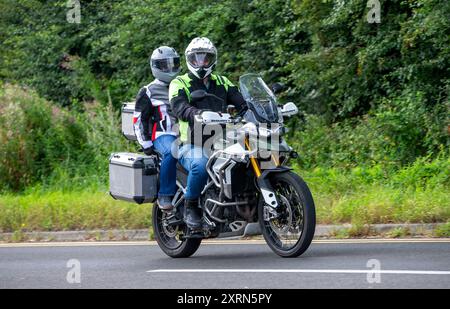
260	98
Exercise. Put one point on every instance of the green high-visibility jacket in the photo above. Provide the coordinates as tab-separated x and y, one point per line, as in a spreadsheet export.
185	109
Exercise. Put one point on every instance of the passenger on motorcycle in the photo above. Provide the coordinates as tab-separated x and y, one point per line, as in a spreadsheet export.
154	122
201	59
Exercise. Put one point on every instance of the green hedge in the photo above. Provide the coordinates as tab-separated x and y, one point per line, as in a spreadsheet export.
394	134
58	148
334	62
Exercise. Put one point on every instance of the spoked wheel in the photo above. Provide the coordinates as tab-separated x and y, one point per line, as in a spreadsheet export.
289	229
168	238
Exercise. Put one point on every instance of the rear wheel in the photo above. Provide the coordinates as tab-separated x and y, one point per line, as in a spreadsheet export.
168	238
289	229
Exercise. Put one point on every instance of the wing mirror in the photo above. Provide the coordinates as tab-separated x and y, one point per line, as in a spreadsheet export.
231	109
289	109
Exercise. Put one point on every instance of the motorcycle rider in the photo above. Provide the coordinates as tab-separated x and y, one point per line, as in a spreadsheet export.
154	121
201	59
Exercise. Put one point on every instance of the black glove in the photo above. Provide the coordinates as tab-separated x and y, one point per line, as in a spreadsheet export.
194	113
150	151
243	110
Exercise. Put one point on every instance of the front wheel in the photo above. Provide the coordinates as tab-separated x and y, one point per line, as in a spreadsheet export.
289	229
167	236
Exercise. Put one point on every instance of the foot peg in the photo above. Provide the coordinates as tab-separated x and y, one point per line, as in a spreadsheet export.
193	235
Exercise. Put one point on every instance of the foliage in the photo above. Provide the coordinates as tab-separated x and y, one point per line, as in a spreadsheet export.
394	134
40	142
326	51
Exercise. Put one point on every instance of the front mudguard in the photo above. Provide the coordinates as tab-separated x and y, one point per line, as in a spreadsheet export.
266	188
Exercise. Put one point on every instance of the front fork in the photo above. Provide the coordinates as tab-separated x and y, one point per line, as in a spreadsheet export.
271	203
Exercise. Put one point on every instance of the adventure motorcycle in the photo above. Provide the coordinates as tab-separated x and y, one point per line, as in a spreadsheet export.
250	190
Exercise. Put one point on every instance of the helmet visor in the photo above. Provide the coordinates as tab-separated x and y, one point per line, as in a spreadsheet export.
168	65
201	59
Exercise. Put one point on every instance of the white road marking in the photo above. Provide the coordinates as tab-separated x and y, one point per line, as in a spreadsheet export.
325	271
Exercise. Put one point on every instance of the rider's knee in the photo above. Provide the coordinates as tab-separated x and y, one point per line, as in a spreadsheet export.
199	167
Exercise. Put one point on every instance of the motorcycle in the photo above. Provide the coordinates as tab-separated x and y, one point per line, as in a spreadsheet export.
251	190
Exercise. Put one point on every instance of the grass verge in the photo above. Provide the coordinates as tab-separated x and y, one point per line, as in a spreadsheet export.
62	211
91	209
416	194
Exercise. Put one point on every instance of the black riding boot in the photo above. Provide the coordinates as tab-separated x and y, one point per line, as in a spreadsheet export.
192	214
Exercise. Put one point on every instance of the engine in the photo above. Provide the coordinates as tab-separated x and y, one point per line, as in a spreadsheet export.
232	202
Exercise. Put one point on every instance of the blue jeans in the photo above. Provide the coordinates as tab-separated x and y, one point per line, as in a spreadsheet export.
168	171
194	160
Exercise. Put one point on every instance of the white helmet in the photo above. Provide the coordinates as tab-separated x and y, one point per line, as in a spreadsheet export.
165	63
201	57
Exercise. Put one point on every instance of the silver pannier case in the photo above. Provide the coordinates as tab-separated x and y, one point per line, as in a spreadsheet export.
133	177
127	121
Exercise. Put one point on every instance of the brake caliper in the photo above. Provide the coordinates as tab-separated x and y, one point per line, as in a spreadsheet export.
270	213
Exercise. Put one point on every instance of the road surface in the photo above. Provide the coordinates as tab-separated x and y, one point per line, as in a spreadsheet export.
236	264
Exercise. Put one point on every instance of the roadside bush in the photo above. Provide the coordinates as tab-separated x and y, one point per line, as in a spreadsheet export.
41	143
394	134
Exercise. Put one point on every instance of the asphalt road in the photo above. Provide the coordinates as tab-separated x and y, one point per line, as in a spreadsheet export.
238	264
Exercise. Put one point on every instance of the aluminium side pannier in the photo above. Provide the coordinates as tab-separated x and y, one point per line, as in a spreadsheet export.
133	177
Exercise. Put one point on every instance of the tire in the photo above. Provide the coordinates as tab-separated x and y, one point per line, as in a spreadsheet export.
171	246
303	195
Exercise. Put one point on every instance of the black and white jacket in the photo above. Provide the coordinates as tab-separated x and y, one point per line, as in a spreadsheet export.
153	116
